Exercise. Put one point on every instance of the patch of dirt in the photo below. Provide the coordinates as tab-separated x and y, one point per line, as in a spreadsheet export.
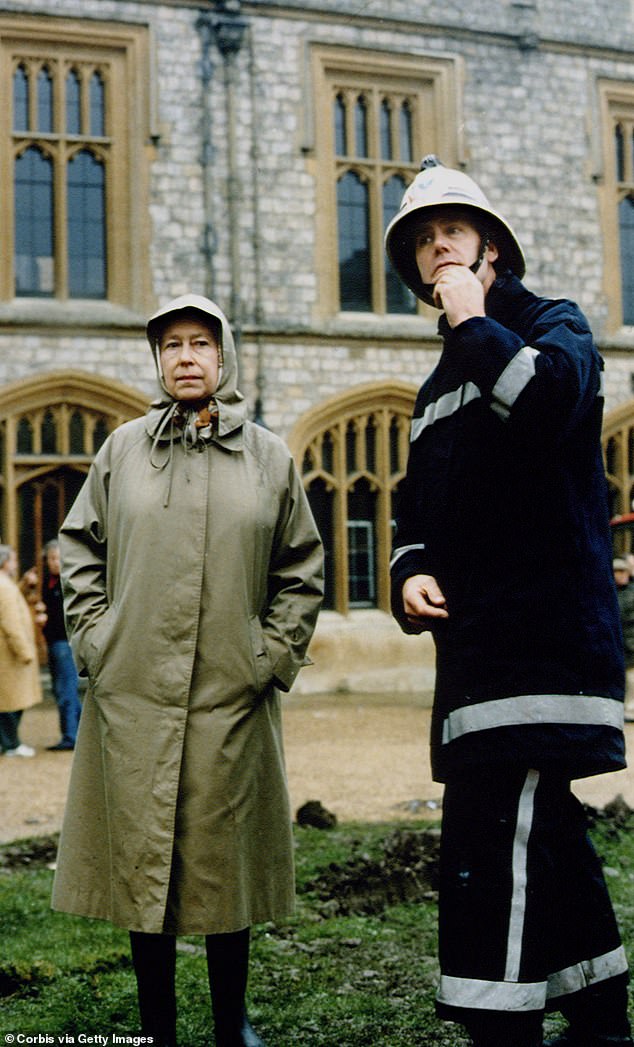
618	814
407	868
25	979
29	854
406	871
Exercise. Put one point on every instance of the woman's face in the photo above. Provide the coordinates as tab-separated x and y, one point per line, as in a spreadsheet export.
189	360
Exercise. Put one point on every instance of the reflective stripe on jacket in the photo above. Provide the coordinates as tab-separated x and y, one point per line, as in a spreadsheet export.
505	504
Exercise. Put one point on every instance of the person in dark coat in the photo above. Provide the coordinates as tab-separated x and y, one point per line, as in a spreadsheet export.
64	677
502	549
625	595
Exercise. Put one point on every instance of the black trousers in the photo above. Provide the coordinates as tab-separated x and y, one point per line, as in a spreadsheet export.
9	728
154	960
525	920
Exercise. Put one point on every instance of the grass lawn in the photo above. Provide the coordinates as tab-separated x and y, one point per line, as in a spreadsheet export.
348	970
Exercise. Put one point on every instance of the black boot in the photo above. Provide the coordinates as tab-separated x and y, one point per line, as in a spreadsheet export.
493	1040
506	1029
154	960
488	1041
597	1016
228	966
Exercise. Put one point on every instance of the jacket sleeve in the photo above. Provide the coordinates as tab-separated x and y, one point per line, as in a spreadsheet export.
83	543
295	584
410	553
541	384
12	620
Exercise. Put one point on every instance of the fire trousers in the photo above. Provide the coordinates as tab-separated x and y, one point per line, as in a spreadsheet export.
525	919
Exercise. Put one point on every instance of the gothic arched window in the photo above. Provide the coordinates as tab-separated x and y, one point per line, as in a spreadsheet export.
353	453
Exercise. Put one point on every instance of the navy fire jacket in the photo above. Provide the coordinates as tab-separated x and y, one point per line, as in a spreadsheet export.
505	504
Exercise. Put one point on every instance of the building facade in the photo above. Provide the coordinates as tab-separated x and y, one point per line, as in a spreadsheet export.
254	152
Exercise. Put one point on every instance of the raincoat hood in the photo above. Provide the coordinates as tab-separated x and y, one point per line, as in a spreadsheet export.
232	409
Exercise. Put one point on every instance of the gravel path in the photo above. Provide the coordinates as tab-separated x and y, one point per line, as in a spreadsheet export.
363	756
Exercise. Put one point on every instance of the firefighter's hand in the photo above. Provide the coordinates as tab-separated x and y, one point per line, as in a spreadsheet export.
423	601
459	292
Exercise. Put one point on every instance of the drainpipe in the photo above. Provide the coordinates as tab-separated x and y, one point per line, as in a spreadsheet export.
260	382
210	241
227	29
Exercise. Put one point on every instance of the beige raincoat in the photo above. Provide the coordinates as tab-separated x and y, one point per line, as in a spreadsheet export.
19	667
192	579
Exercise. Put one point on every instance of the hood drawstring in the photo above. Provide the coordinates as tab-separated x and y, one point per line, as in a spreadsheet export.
195	427
168	419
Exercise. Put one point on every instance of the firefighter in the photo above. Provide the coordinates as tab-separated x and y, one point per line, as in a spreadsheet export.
502	550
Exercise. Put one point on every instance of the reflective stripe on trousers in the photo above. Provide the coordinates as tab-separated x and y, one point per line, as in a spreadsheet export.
524	912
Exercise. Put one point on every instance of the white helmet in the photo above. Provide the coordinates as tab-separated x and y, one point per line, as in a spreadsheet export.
439	186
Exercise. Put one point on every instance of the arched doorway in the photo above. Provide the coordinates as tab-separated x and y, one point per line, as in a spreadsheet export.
352	453
618	450
51	426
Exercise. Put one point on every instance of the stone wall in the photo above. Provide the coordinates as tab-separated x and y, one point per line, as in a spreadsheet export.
530	135
530	109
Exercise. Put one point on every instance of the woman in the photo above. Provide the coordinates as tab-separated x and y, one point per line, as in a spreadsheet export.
20	686
192	575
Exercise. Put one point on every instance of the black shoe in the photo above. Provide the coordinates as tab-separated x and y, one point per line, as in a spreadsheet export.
61	747
246	1036
249	1036
494	1041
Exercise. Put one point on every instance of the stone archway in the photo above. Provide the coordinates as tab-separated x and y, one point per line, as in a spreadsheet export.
51	426
618	450
352	453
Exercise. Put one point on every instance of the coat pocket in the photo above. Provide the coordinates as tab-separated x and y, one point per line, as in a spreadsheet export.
95	643
263	667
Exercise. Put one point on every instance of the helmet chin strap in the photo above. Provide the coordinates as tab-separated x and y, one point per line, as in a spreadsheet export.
484	246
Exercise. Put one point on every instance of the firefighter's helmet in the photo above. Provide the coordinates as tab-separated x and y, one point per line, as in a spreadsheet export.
437	186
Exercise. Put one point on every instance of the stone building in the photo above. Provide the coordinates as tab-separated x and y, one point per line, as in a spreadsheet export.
254	151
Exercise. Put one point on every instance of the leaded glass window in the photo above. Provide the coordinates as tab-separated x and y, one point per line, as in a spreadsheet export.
33	190
86	227
75	163
353	224
373	134
626	245
352	467
624	170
